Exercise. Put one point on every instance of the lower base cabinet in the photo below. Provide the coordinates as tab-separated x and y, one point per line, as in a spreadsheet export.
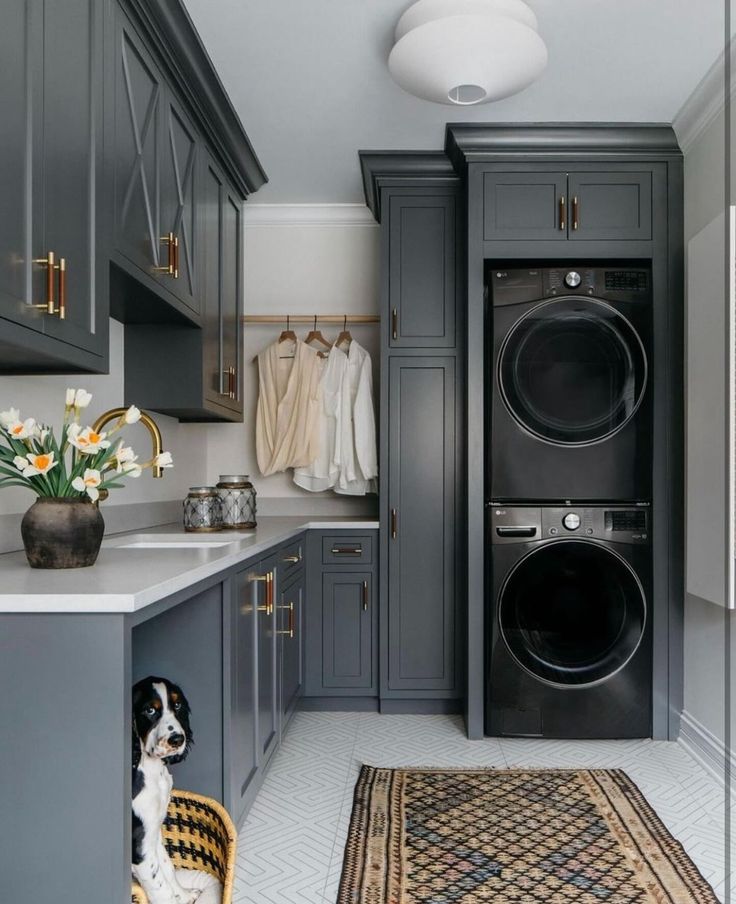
341	616
290	633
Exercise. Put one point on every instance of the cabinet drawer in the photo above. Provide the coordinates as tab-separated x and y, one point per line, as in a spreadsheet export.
291	560
347	550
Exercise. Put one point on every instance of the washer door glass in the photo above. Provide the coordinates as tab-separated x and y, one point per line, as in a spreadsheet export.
572	612
572	371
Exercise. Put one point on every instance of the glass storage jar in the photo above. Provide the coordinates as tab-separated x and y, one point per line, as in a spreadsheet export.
202	510
238	499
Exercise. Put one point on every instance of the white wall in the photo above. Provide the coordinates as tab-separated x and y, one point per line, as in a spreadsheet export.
299	260
42	397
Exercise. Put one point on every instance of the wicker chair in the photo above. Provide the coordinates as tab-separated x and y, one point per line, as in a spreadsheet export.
198	834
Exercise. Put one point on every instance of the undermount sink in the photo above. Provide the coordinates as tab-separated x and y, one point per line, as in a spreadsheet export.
172	541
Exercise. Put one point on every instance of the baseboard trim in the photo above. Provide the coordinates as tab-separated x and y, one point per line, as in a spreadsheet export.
427	707
706	748
338	705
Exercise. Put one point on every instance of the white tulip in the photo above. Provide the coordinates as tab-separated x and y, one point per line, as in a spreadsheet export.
9	417
132	415
82	398
163	460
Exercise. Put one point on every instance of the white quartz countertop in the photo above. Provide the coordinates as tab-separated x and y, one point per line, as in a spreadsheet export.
130	574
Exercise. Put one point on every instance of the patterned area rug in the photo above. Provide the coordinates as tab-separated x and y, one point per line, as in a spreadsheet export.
511	836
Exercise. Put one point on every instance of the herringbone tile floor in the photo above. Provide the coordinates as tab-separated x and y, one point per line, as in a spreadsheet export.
291	845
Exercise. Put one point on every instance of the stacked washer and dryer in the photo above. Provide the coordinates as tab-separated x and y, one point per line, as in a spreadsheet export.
569	486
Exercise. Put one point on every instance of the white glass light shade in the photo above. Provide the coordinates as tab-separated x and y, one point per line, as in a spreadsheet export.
467	57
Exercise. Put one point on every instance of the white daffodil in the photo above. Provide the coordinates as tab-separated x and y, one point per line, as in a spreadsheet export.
41	432
70	396
163	460
124	455
130	469
82	398
20	463
87	441
22	429
132	415
89	483
11	416
39	464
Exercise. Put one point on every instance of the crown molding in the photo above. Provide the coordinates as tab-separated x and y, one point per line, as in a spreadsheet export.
705	103
307	215
402	168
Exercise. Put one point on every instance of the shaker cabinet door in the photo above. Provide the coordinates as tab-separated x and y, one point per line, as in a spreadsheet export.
422	279
67	174
524	206
290	618
244	742
347	630
610	206
422	496
268	684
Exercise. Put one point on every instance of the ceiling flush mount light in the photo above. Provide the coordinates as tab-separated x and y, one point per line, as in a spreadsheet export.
467	51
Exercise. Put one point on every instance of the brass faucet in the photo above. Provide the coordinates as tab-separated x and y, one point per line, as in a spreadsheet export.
116	413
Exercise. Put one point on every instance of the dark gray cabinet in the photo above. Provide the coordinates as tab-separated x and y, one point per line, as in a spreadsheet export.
53	287
535	204
422	495
341	618
269	717
422	283
243	756
290	632
347	631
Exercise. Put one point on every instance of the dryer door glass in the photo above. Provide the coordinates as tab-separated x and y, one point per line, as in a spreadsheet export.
572	371
572	612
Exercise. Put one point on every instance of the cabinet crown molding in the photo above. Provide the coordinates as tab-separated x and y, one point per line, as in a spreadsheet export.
468	142
402	168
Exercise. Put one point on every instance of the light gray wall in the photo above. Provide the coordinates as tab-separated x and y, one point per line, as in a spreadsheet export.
705	624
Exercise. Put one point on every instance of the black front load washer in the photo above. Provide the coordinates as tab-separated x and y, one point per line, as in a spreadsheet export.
570	650
570	412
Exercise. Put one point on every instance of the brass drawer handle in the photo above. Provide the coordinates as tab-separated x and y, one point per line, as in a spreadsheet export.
365	596
562	213
290	630
175	274
347	550
234	380
292	560
394	523
394	324
268	580
575	213
61	267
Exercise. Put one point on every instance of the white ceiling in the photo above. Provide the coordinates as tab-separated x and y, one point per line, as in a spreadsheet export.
310	83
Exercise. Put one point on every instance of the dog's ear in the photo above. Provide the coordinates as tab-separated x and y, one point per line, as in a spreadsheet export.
183	719
136	757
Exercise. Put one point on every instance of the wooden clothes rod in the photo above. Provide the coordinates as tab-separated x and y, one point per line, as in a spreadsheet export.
309	318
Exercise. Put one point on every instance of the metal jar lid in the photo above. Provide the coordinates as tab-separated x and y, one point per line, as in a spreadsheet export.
202	491
235	481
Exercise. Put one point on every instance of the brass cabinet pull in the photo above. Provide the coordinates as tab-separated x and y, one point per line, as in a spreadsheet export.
365	596
394	324
49	306
292	559
290	630
268	580
575	213
226	383
347	550
61	267
233	383
170	268
562	213
175	274
394	523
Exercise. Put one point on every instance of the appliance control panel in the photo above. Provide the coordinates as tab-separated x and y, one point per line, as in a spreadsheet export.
527	523
515	285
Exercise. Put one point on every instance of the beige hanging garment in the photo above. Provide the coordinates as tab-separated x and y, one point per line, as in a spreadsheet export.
288	400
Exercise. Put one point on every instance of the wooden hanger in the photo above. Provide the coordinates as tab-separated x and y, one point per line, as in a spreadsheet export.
315	335
345	334
288	333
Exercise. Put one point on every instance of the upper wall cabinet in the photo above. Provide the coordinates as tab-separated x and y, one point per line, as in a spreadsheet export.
53	277
533	204
155	166
422	279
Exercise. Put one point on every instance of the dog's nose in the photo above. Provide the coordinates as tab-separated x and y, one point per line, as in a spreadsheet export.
176	739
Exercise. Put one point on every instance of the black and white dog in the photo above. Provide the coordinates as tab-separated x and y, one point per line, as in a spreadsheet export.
161	737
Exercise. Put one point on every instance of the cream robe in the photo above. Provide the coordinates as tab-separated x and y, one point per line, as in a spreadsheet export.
322	473
288	402
355	448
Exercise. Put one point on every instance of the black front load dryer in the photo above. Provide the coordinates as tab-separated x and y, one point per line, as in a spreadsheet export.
569	648
570	393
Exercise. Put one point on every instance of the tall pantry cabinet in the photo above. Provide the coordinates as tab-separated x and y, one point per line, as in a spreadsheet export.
417	200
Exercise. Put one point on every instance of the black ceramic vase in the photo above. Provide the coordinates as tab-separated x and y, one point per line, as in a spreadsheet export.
62	533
